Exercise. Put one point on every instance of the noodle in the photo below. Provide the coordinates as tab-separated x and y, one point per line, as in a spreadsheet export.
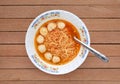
60	42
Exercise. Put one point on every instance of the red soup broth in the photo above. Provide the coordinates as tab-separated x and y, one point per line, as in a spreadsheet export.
59	42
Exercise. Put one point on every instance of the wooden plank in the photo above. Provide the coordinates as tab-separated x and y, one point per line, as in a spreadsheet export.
15	62
92	24
91	62
14	24
102	24
12	37
60	82
81	11
12	50
94	62
63	2
96	37
79	74
19	50
105	37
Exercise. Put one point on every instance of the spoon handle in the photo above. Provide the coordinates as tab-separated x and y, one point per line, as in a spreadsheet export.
95	52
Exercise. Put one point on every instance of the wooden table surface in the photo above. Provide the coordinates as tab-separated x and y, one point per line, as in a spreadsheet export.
102	18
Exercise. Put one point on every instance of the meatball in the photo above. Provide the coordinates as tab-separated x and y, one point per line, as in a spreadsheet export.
40	39
56	59
43	31
61	25
51	26
48	56
42	48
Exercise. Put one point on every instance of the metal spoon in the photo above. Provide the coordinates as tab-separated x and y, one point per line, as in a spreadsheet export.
95	52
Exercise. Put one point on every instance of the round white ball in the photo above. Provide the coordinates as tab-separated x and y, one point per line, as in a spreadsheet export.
48	56
42	48
61	25
56	59
40	39
51	26
43	31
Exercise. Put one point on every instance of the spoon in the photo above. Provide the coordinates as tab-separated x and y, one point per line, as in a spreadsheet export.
95	52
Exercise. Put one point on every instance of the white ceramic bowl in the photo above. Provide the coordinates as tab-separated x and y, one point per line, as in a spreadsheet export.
37	61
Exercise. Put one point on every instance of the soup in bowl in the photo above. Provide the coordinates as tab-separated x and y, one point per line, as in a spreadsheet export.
54	42
50	44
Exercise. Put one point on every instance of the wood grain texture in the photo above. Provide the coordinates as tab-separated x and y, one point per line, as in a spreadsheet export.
19	50
12	37
102	17
96	37
79	74
90	63
92	24
12	50
63	2
59	82
81	11
14	24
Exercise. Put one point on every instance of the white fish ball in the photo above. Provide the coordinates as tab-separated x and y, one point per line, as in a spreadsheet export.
51	26
42	48
61	25
56	59
43	31
48	56
40	39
